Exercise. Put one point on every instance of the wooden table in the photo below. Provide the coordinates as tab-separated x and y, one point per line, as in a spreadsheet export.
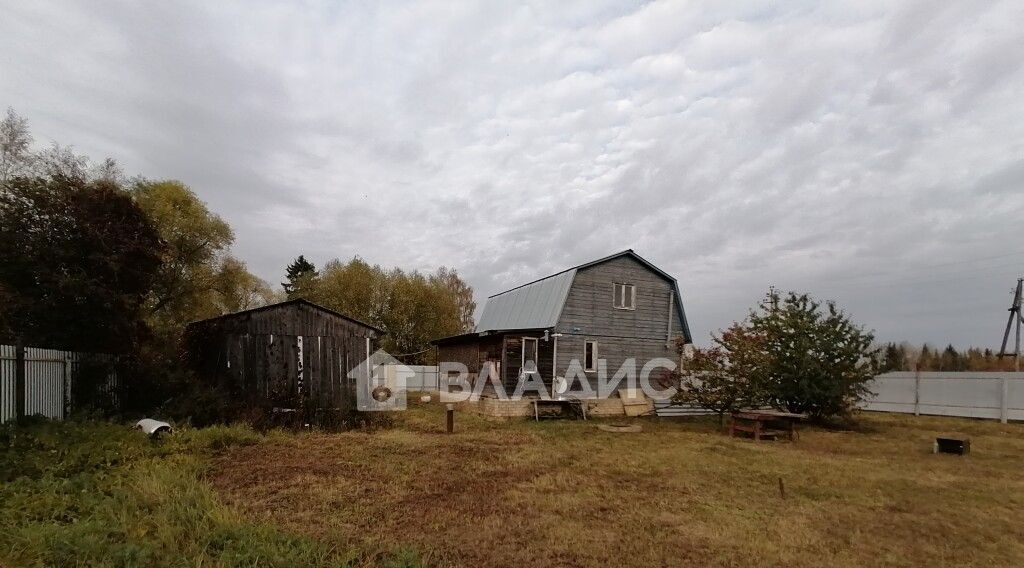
563	403
765	423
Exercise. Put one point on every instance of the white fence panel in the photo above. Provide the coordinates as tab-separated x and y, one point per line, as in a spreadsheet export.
965	394
49	375
45	377
8	370
425	378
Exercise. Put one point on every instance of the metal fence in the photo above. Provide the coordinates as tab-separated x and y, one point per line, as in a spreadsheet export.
425	378
49	379
968	394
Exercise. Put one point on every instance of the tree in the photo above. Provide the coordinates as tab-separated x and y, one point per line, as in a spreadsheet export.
300	274
412	307
461	293
894	359
950	360
925	360
15	146
795	354
77	260
722	378
109	171
239	289
199	278
17	158
61	161
814	359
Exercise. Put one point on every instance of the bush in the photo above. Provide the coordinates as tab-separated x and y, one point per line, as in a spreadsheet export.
816	360
719	378
791	353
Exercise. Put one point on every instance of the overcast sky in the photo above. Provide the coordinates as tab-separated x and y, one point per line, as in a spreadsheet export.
867	152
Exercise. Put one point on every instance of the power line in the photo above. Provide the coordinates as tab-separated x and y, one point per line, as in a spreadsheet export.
910	279
1009	254
910	270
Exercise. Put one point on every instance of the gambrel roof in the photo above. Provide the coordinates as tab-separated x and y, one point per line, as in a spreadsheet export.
538	304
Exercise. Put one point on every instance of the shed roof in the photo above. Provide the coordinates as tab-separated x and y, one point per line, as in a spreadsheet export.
538	304
297	301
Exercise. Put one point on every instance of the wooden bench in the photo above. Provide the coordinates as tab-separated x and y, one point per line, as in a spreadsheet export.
768	424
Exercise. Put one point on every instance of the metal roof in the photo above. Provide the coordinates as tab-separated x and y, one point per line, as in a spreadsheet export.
539	304
534	305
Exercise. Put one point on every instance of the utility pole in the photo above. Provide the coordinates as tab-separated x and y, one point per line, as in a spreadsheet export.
1015	318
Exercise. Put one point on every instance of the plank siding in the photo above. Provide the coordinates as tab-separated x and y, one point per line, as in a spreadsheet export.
589	306
257	353
589	315
613	351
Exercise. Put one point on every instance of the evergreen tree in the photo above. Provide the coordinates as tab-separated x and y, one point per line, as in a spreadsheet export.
894	359
924	361
793	353
950	359
299	274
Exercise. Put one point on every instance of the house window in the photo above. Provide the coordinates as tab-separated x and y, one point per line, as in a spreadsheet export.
625	297
590	356
529	360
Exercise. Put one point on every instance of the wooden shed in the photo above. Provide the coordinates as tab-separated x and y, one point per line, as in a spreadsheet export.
293	354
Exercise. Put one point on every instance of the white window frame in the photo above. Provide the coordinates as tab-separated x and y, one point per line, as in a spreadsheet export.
523	359
593	358
632	296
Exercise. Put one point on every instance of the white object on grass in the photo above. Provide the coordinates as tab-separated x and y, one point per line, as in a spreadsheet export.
154	427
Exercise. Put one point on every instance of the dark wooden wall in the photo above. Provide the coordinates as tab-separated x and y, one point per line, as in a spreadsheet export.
474	352
513	354
258	354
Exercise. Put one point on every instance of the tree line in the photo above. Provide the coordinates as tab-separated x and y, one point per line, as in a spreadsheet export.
410	306
92	260
906	357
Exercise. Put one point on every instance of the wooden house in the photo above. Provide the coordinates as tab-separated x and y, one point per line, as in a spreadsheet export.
598	313
293	353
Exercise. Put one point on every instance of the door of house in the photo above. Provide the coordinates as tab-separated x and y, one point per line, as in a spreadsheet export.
529	359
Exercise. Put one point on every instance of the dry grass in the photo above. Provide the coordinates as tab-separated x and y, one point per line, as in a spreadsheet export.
564	493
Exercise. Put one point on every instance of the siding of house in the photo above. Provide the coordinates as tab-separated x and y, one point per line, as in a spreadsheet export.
614	351
589	314
589	309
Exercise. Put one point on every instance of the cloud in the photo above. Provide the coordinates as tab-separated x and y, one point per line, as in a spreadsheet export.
865	152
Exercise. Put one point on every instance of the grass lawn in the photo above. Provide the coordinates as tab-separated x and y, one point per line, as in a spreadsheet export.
513	493
564	493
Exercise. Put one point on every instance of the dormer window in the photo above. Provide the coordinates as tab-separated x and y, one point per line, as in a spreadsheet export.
624	297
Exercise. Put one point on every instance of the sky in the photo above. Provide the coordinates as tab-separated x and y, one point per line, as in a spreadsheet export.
870	153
